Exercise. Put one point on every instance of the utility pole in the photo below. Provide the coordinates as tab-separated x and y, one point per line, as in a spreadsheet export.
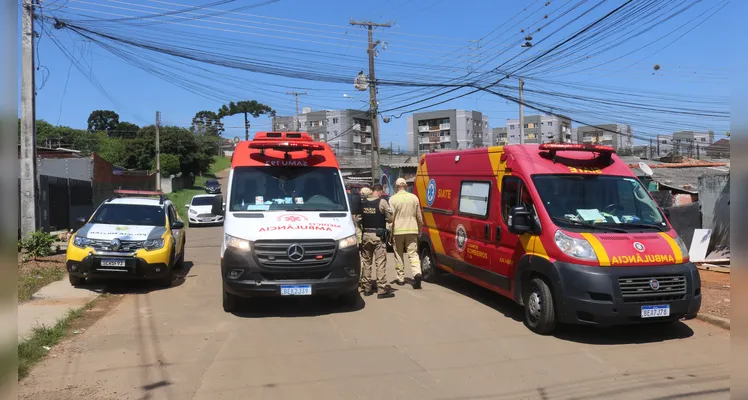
158	152
521	112
296	94
29	206
373	96
651	149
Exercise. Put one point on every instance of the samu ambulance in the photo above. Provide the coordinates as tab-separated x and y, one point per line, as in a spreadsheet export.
565	230
288	229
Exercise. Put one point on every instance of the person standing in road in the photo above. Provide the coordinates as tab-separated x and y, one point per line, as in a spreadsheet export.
375	215
365	282
407	222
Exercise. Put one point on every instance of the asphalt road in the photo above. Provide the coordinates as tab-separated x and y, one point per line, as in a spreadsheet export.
448	341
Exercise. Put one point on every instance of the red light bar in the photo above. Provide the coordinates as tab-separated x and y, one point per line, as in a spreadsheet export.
576	147
286	146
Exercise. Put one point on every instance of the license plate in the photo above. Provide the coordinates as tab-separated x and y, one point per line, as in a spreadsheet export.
296	290
655	311
112	262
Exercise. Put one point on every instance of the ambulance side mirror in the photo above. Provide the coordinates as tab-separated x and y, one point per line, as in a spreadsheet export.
217	206
521	221
355	201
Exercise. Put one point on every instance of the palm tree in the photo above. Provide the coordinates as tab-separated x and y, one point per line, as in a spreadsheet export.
247	108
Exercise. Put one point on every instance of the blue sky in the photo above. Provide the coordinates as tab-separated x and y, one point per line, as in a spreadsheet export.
427	33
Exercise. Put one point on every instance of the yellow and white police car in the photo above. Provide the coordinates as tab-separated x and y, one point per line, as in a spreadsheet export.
132	235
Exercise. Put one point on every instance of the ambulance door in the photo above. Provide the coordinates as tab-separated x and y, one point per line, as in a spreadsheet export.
473	233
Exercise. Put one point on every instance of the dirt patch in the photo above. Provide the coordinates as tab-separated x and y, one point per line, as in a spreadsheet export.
715	293
99	308
35	274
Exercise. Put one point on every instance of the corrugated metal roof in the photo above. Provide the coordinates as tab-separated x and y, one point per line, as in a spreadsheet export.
401	165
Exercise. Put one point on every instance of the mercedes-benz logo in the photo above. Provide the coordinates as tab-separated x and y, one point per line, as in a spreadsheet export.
115	244
295	252
654	284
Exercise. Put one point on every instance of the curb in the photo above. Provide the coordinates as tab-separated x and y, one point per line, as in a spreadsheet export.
714	320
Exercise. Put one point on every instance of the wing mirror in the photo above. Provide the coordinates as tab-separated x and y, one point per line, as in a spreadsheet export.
177	225
186	206
521	221
217	206
79	222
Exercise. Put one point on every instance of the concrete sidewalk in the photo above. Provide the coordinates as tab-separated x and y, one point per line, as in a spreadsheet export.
50	304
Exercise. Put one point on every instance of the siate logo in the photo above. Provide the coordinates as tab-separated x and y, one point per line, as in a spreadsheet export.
639	247
292	218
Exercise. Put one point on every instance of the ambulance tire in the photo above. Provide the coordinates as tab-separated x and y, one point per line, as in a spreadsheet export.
540	312
230	302
429	271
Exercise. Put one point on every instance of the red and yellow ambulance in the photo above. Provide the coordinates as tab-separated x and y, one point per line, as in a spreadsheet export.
566	230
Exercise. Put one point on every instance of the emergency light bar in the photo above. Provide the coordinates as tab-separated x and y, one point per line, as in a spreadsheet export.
287	147
553	147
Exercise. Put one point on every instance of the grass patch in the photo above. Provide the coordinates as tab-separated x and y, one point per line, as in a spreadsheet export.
184	196
32	350
31	279
220	164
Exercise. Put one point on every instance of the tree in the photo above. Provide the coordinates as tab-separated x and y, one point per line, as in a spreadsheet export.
247	108
102	120
169	165
207	123
124	130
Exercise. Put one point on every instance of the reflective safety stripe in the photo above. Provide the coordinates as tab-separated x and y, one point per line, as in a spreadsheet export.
674	246
600	252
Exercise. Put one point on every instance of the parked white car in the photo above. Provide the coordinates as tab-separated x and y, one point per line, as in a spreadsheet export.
199	211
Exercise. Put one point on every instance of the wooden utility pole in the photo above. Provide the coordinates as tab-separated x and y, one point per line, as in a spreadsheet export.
296	94
29	205
373	96
158	152
521	112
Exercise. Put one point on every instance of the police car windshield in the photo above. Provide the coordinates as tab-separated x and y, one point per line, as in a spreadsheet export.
603	200
284	188
130	214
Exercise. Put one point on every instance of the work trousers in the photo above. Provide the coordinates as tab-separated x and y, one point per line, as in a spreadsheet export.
406	244
374	254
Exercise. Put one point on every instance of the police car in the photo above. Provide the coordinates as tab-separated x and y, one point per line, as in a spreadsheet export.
134	234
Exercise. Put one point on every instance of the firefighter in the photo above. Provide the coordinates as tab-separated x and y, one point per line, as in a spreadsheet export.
406	224
376	213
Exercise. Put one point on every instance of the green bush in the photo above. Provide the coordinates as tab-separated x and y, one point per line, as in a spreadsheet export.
39	244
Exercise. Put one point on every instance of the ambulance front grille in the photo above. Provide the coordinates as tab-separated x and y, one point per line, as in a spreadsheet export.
640	289
274	253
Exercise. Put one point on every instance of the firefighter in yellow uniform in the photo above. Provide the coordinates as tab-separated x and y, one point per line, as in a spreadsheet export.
375	215
406	224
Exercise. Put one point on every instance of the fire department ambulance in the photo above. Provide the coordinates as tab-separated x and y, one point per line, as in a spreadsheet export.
567	231
288	229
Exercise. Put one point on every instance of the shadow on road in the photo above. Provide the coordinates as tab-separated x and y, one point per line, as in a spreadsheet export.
138	286
645	333
269	307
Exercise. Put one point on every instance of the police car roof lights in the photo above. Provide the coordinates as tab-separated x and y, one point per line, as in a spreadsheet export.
118	193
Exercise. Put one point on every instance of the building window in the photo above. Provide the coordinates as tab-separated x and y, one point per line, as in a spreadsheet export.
511	126
550	123
334	120
474	198
525	126
664	142
703	139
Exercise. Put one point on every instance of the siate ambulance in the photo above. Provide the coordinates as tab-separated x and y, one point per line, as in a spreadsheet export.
565	230
288	229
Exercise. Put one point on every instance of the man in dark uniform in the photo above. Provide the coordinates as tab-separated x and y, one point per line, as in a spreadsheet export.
376	213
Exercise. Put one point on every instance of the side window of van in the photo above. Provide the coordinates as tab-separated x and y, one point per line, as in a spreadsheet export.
474	198
513	194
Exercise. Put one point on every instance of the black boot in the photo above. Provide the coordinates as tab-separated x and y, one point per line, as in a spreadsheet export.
417	281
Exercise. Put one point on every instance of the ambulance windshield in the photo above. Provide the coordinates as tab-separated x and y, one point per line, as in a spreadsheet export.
284	189
603	200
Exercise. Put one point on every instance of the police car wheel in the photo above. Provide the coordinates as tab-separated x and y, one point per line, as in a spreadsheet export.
540	315
76	280
230	302
429	271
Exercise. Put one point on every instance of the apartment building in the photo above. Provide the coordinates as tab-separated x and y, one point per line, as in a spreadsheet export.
447	129
618	136
500	137
346	131
685	143
540	129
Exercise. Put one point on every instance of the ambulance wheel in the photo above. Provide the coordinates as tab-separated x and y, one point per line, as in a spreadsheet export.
230	302
429	270
540	313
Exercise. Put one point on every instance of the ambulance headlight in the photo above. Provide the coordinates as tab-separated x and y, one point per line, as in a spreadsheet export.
577	248
236	243
348	242
682	246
